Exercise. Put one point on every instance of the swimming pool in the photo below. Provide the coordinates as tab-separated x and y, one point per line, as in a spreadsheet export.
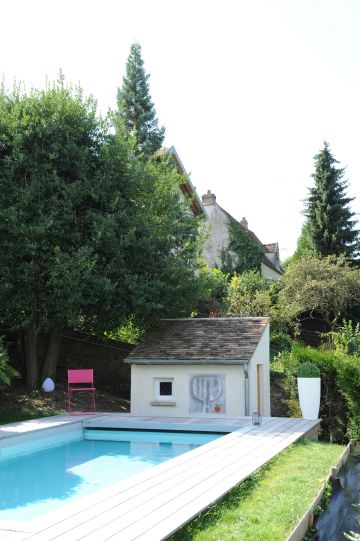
41	475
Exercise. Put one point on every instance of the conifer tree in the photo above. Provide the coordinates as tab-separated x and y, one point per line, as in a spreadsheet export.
330	223
136	108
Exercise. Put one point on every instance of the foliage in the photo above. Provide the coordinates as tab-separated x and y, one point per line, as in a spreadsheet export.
268	504
348	371
136	108
7	372
328	288
248	296
213	287
251	295
129	332
90	233
308	370
347	338
340	388
327	209
214	283
243	253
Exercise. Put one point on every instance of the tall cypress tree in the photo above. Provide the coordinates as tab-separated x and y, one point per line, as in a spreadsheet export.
136	108
327	209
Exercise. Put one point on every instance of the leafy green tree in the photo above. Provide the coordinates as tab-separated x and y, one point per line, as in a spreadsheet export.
7	372
347	338
305	246
248	296
90	234
330	223
213	288
328	288
136	108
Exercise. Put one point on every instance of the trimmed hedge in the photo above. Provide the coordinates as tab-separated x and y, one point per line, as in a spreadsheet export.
340	388
308	370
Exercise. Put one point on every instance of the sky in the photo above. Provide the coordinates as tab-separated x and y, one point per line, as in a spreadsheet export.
248	90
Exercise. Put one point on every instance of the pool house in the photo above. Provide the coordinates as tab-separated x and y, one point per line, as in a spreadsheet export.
202	367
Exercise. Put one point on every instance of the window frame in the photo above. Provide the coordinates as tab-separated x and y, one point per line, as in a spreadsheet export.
163	397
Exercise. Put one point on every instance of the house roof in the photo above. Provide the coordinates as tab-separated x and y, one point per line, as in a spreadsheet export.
187	187
197	340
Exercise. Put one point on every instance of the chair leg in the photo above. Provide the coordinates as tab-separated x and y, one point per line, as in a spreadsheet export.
69	401
92	404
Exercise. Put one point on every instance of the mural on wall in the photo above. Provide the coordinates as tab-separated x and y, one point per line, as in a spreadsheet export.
207	393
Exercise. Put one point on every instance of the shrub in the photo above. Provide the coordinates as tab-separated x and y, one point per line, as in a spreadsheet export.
308	370
348	370
334	406
7	372
347	338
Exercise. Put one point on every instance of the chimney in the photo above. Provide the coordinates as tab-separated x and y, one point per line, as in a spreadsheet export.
244	223
209	199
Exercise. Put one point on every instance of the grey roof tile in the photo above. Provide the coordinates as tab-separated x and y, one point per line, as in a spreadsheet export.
225	339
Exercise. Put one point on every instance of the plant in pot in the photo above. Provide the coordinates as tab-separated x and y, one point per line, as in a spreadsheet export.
308	380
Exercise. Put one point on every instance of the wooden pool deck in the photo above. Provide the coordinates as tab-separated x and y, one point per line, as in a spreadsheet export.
151	505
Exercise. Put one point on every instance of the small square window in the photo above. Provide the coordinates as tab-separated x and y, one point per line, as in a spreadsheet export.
163	388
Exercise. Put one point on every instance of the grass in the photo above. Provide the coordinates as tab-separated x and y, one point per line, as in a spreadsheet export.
269	504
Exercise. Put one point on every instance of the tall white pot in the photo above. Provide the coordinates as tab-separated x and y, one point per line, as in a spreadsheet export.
309	397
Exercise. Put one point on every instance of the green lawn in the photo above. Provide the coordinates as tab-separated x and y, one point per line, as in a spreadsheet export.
267	505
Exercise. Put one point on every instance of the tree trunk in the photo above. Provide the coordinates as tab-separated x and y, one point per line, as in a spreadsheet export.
32	357
52	353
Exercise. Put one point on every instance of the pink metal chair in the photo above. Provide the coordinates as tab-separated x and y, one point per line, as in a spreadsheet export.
81	381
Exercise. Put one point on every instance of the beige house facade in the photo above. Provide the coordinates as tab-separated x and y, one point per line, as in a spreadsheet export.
218	239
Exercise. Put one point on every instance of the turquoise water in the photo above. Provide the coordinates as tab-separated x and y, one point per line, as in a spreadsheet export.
42	481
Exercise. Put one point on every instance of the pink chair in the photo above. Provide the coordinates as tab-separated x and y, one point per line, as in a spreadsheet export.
80	381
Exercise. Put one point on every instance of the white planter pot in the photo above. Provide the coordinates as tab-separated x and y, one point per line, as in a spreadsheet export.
309	397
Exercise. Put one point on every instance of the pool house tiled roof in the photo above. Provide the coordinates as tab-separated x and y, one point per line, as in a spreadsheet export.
197	341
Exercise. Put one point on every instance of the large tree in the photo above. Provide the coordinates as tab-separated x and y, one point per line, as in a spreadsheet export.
136	108
328	288
329	218
90	234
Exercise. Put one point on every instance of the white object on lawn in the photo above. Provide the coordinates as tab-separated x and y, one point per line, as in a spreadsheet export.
309	397
48	385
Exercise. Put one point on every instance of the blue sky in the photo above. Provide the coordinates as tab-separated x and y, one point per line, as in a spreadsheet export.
248	90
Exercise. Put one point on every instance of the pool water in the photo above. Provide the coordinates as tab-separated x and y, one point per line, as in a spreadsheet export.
42	481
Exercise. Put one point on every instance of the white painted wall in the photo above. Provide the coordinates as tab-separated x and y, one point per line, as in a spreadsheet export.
218	235
269	273
142	388
261	356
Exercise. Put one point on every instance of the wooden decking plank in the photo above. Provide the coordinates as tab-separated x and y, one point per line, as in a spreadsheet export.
162	497
189	504
157	478
170	522
15	536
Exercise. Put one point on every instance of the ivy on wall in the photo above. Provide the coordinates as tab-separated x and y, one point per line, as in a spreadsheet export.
242	253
